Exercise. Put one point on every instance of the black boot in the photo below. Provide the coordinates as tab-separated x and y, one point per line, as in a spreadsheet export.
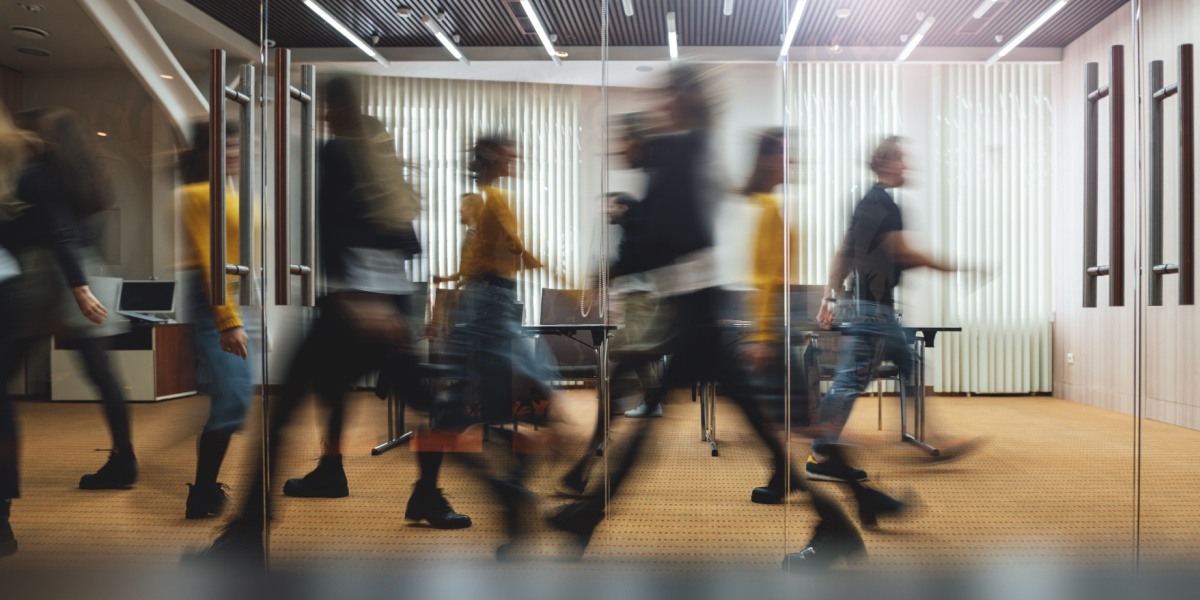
874	503
8	539
205	501
519	505
119	473
328	480
579	519
773	492
238	548
832	540
428	504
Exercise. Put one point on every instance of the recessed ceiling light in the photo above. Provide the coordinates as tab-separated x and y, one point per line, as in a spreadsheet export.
843	13
404	12
29	33
38	52
270	43
102	133
33	8
167	77
643	68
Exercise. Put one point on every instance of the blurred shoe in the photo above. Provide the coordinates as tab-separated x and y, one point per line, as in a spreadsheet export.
8	539
833	469
773	492
832	540
204	501
239	547
643	411
120	472
427	503
328	480
874	503
580	520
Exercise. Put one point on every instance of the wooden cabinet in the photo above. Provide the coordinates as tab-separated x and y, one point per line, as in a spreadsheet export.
152	362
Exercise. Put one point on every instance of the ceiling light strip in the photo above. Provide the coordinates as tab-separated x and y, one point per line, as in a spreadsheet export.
1028	31
628	6
672	36
541	31
728	8
793	25
915	40
346	33
983	8
440	34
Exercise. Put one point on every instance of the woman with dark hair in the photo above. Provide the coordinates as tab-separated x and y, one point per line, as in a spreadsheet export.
221	343
64	186
366	210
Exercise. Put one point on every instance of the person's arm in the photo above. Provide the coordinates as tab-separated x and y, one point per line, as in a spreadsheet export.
838	271
512	240
896	243
196	226
40	187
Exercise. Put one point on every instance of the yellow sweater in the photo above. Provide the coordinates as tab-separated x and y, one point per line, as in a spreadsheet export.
496	247
194	212
768	266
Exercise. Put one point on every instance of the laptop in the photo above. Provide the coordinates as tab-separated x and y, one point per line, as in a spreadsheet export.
147	301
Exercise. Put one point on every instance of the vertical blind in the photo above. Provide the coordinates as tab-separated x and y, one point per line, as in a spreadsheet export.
435	123
992	207
989	198
839	111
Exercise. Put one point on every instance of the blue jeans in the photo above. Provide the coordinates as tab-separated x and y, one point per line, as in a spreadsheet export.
869	337
230	377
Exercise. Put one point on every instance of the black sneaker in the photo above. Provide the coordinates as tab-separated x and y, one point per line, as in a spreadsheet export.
328	480
206	501
8	539
833	470
119	473
429	504
773	492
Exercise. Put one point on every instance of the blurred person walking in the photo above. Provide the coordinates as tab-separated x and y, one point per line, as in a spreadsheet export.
221	344
366	211
65	186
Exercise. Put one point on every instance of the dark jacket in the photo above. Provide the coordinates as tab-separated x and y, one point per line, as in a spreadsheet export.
50	221
676	211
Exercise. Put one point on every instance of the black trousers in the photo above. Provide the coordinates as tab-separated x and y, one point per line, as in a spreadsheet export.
329	360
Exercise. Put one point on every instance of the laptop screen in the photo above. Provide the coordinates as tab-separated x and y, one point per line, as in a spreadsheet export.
148	296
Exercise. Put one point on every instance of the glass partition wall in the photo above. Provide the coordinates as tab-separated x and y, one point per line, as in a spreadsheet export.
669	274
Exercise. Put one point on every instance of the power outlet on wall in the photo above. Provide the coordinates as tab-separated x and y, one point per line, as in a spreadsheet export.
1070	358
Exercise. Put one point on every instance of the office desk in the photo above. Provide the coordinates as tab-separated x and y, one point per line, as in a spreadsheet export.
152	363
598	336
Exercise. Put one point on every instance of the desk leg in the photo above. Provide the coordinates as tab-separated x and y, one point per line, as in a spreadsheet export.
395	427
604	401
918	440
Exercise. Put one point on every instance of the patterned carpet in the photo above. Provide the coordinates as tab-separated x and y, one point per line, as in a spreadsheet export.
1053	482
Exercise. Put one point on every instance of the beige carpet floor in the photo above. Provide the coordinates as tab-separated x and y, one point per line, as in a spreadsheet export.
1053	482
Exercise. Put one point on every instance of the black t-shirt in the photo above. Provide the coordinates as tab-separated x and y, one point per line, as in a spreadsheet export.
875	269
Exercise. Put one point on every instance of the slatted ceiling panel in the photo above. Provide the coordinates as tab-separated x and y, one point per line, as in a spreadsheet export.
701	22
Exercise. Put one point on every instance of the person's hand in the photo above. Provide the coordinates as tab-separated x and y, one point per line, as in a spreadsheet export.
89	305
825	315
235	341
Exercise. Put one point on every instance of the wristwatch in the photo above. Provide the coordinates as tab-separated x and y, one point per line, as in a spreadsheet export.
831	299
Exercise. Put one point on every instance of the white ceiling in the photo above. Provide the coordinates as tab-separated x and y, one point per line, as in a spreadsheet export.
76	43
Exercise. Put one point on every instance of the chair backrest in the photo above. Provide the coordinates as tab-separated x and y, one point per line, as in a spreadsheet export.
563	307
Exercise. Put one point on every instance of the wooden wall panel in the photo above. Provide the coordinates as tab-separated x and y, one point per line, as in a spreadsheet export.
1102	339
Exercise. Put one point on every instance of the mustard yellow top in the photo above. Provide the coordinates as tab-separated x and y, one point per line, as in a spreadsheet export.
768	275
195	217
496	247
